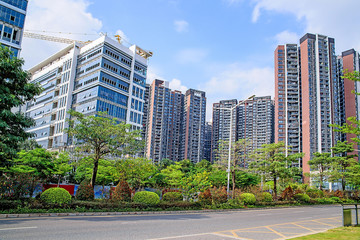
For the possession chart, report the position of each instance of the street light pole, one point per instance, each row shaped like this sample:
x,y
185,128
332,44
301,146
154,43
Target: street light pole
x,y
230,140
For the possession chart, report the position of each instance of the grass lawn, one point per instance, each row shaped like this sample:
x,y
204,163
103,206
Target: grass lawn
x,y
343,233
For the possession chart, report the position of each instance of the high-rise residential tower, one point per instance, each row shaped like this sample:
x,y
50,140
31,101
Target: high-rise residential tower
x,y
207,146
12,19
221,124
164,124
102,76
255,121
288,97
350,102
194,125
318,72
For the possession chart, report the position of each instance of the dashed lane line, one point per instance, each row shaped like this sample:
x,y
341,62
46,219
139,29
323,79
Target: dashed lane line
x,y
18,228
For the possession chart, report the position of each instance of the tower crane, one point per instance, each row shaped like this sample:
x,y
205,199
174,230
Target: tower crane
x,y
52,38
30,34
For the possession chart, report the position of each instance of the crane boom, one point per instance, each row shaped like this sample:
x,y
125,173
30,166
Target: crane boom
x,y
52,38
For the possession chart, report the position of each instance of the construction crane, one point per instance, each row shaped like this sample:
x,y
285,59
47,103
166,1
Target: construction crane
x,y
52,38
144,53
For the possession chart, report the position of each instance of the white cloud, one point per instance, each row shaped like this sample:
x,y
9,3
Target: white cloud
x,y
181,26
191,55
50,16
238,81
287,37
336,19
153,73
176,84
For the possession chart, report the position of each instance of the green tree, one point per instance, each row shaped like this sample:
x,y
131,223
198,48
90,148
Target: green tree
x,y
15,90
193,184
107,172
138,172
239,156
187,167
37,165
354,175
320,167
272,162
100,136
29,144
164,163
218,177
203,165
62,166
173,174
342,162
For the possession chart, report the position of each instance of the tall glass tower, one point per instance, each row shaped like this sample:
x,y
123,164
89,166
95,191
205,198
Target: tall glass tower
x,y
12,19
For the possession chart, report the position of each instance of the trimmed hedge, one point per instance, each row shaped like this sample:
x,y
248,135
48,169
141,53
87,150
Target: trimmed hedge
x,y
248,198
122,192
145,197
56,195
173,196
302,197
85,191
266,197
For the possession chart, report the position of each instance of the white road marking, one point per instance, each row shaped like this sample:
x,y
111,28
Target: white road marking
x,y
181,236
19,228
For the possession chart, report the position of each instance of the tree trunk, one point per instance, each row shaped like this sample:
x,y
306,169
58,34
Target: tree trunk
x,y
343,183
321,177
58,185
275,189
95,169
233,184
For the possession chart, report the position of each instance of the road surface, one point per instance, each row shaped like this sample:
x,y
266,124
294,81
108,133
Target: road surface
x,y
258,224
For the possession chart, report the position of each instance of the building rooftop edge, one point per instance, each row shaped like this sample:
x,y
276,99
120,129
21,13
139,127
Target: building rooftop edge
x,y
348,52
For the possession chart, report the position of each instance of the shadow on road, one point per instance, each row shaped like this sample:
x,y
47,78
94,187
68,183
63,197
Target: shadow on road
x,y
108,218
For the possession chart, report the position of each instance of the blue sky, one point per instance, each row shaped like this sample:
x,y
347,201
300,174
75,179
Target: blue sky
x,y
223,47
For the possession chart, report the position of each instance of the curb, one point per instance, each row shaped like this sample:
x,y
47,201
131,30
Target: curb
x,y
74,214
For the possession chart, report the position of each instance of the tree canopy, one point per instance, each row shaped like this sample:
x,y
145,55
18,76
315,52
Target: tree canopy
x,y
15,90
100,135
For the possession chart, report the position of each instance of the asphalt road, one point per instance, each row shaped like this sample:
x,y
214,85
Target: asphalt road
x,y
259,224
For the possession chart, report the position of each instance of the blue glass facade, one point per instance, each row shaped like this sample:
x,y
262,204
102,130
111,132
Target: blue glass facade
x,y
12,19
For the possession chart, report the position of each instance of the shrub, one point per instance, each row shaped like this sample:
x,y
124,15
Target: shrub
x,y
10,204
122,192
144,197
219,195
315,193
85,192
205,197
302,197
338,194
324,200
173,196
56,196
265,197
248,198
287,194
165,190
335,199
